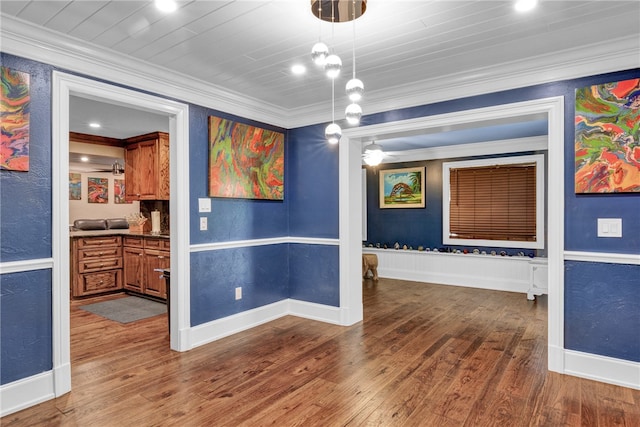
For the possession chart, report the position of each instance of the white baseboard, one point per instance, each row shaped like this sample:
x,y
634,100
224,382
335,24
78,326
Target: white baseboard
x,y
313,311
601,368
26,392
220,328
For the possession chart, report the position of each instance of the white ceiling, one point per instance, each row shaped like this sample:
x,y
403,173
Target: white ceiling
x,y
245,48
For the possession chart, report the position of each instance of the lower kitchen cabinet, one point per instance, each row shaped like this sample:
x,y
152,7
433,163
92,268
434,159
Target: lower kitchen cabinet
x,y
154,280
96,265
133,268
142,256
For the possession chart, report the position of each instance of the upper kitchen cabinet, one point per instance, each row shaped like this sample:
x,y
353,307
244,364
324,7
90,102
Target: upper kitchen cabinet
x,y
147,167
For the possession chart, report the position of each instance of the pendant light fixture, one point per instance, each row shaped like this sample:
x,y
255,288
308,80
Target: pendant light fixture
x,y
333,132
340,11
354,87
319,51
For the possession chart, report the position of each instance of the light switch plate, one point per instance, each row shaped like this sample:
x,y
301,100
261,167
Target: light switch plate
x,y
609,227
204,205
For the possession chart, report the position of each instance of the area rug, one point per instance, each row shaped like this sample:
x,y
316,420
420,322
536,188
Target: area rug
x,y
126,310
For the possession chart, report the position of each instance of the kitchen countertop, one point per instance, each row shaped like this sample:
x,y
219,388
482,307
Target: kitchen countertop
x,y
115,232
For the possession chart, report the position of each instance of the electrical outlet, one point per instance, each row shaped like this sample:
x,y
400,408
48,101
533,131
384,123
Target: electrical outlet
x,y
203,223
238,293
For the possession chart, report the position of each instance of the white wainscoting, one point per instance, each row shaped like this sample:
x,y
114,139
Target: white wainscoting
x,y
502,273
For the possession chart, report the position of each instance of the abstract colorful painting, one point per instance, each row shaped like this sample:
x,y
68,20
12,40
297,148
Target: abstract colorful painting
x,y
98,190
402,188
14,115
245,161
75,186
118,192
607,141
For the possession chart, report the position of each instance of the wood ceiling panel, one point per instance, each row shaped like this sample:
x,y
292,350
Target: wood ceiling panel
x,y
12,8
74,14
107,17
40,12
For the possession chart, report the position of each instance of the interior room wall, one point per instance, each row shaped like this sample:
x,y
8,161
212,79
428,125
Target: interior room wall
x,y
82,209
419,226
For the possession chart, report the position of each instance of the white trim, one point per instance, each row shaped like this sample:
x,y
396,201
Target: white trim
x,y
602,368
517,145
27,40
215,246
64,86
226,326
27,392
538,159
604,257
350,189
25,265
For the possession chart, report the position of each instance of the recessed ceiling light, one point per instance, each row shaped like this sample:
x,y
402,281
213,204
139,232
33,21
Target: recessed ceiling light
x,y
94,125
84,158
525,5
166,6
298,69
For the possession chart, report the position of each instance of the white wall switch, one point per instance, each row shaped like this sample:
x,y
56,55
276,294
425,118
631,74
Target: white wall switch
x,y
203,223
238,293
609,227
204,205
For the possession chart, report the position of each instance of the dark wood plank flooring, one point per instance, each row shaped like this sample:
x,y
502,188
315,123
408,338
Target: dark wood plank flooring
x,y
425,355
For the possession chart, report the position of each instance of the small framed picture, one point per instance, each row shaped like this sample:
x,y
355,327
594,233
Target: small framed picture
x,y
402,188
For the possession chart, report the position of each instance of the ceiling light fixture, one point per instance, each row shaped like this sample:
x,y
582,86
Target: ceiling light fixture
x,y
341,11
166,6
94,125
525,5
373,154
298,69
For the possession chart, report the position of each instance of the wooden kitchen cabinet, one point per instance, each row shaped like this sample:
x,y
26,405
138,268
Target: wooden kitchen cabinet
x,y
154,281
147,167
142,255
96,265
133,269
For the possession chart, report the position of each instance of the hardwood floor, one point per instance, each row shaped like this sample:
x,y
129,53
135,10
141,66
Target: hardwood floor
x,y
425,355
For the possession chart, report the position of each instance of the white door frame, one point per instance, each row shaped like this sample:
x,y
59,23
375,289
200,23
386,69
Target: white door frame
x,y
351,210
64,86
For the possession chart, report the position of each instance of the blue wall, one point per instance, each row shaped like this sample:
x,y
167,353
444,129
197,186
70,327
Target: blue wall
x,y
25,233
310,209
602,309
581,214
416,226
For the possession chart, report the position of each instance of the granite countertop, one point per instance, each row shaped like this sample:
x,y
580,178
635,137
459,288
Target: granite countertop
x,y
115,232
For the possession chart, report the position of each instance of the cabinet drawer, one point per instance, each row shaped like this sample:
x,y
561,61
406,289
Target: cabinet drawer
x,y
159,244
99,264
135,242
88,242
99,253
100,282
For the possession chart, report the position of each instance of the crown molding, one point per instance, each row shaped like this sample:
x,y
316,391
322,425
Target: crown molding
x,y
30,41
27,40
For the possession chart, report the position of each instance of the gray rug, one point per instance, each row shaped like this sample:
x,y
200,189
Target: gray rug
x,y
126,310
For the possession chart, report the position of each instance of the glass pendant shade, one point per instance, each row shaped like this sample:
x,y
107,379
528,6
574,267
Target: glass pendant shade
x,y
373,154
355,89
353,113
332,66
333,133
319,53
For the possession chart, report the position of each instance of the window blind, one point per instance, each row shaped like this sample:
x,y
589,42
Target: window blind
x,y
493,202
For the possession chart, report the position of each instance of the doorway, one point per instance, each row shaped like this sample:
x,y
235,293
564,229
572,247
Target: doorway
x,y
65,86
351,205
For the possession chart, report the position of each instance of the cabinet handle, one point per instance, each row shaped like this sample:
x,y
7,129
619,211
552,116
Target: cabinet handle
x,y
160,257
101,282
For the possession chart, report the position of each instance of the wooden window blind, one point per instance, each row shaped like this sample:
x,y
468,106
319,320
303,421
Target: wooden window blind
x,y
493,202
